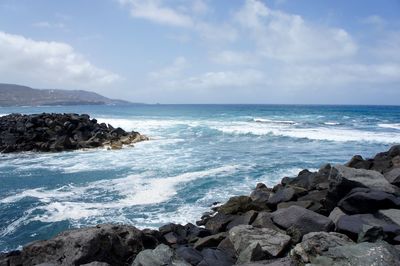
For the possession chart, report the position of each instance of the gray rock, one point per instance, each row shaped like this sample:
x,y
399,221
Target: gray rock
x,y
253,243
359,163
246,218
241,204
189,255
354,225
370,233
112,244
286,261
305,220
302,203
215,257
393,176
282,195
377,254
210,241
393,215
314,244
361,200
349,178
261,193
95,263
161,255
264,220
218,222
335,215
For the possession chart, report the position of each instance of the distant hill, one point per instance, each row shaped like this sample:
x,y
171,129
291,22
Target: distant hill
x,y
17,95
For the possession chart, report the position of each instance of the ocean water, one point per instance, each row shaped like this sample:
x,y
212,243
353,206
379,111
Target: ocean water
x,y
197,155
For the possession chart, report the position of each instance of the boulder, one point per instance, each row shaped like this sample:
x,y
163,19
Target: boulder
x,y
304,220
210,241
112,244
246,218
314,244
302,203
393,176
361,200
343,179
189,255
354,226
215,257
282,195
393,215
252,244
335,215
264,220
218,222
379,253
358,162
160,256
261,193
286,261
241,204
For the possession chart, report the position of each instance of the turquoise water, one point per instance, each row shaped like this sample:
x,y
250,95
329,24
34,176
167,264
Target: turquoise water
x,y
198,154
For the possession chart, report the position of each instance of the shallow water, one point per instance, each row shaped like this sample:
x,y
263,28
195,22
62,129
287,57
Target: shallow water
x,y
198,154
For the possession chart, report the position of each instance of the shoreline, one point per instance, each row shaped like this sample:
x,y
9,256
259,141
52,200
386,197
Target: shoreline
x,y
315,218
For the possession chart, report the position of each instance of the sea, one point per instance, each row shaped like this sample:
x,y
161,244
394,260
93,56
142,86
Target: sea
x,y
197,155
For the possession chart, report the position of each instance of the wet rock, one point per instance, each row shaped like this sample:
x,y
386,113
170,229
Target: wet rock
x,y
252,244
379,253
361,200
305,220
112,244
314,244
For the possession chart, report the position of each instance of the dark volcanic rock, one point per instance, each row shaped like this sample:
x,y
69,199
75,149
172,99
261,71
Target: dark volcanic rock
x,y
241,204
113,244
304,220
362,200
59,132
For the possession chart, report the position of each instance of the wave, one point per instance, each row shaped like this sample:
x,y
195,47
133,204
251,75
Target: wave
x,y
269,121
323,134
82,202
392,126
331,123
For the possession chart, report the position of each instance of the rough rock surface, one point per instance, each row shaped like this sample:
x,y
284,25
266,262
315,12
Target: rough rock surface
x,y
115,245
252,244
313,244
60,132
304,220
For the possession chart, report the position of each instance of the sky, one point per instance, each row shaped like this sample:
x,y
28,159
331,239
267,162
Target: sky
x,y
206,51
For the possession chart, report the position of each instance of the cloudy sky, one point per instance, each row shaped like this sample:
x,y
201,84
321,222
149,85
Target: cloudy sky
x,y
206,51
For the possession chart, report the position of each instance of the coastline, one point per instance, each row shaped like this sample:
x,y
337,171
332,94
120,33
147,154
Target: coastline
x,y
315,218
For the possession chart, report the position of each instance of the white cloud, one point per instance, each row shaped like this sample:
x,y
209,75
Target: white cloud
x,y
172,71
374,20
46,24
287,37
232,58
154,11
51,63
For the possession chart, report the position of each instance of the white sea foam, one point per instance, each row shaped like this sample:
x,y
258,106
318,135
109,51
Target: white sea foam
x,y
392,126
329,134
69,202
269,121
331,123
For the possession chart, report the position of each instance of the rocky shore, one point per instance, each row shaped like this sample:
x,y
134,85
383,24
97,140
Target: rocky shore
x,y
341,215
60,132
